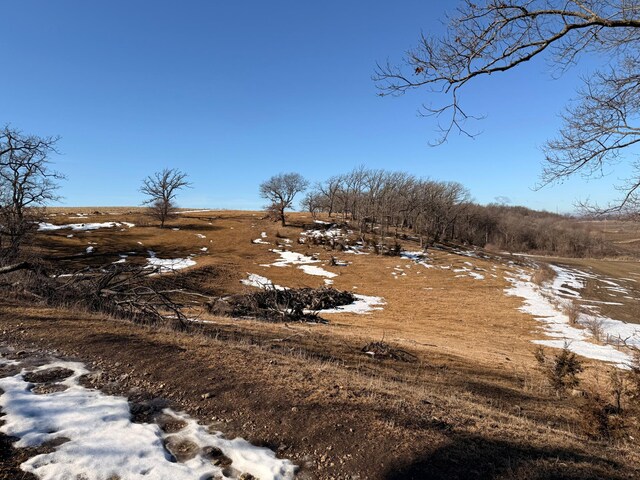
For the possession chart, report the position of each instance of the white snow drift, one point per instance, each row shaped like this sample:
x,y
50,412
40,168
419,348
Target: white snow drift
x,y
292,258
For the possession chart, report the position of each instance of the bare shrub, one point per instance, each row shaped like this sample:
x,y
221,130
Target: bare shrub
x,y
618,387
599,419
595,326
573,310
393,251
562,370
633,377
125,291
543,274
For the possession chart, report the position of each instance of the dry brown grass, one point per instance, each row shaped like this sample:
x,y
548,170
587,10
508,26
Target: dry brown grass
x,y
473,387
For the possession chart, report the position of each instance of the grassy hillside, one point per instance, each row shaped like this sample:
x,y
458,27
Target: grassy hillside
x,y
464,397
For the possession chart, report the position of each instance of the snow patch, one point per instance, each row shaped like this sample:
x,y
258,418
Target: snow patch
x,y
104,443
49,227
292,258
556,323
166,265
363,305
259,281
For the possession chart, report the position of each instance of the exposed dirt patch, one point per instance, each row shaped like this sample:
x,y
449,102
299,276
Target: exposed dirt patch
x,y
50,375
181,449
420,419
170,424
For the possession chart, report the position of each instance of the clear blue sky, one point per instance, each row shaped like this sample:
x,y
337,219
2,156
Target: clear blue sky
x,y
234,92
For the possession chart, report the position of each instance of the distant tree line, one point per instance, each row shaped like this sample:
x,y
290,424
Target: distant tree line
x,y
395,203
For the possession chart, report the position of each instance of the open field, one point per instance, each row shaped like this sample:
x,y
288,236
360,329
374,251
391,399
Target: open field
x,y
468,402
623,234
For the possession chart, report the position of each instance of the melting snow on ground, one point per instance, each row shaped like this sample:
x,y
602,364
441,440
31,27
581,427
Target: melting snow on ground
x,y
293,258
262,238
329,233
363,305
468,272
418,257
196,211
48,227
259,281
569,282
168,264
538,301
103,442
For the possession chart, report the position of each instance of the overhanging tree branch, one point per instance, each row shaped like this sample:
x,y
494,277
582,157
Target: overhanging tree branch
x,y
495,36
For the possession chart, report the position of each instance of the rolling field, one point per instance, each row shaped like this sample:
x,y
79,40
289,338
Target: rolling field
x,y
465,399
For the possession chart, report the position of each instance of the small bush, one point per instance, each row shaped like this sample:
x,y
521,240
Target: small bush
x,y
600,420
562,370
394,251
633,378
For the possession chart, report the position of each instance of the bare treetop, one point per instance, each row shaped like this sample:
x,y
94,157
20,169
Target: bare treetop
x,y
493,36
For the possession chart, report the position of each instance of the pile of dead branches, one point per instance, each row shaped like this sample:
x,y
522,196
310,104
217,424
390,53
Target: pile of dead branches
x,y
282,305
382,351
129,291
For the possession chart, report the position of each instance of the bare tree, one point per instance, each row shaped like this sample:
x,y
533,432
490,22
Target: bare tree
x,y
162,188
312,202
329,189
280,190
486,37
26,183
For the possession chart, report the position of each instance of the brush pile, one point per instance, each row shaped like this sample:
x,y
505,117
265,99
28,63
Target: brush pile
x,y
282,305
384,351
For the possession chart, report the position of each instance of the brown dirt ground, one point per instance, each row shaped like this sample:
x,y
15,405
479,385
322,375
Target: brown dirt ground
x,y
472,406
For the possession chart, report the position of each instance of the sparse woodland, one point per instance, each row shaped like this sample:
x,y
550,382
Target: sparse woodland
x,y
388,203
